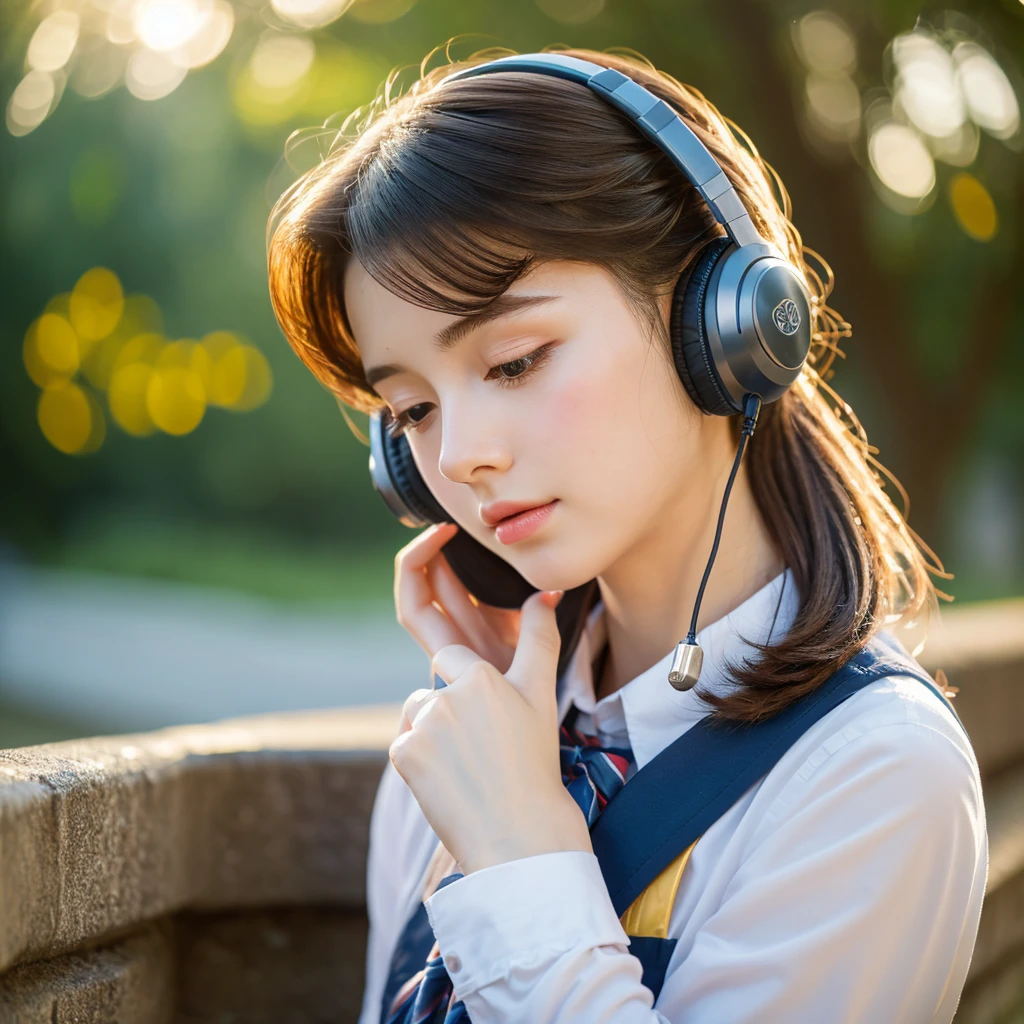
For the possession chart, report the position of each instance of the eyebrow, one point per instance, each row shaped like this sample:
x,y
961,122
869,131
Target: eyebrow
x,y
448,337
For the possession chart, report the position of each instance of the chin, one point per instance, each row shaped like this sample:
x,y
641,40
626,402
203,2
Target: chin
x,y
552,569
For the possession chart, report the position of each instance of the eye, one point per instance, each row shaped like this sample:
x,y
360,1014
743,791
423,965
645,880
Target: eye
x,y
506,375
513,372
398,424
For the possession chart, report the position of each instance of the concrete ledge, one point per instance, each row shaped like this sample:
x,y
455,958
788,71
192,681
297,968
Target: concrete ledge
x,y
130,981
99,835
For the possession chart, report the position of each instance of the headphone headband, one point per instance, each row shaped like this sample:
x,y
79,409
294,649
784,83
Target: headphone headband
x,y
654,117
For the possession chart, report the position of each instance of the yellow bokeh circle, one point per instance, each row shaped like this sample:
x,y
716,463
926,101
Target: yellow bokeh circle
x,y
241,378
142,348
42,373
96,305
973,206
57,344
126,397
176,399
67,418
141,316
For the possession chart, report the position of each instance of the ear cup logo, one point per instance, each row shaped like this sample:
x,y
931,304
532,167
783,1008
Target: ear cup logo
x,y
786,317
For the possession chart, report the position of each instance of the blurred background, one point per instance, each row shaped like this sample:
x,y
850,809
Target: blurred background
x,y
187,527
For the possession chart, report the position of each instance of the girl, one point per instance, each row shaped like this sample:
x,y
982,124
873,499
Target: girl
x,y
528,288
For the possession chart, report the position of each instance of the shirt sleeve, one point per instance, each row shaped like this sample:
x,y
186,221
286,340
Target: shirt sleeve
x,y
848,905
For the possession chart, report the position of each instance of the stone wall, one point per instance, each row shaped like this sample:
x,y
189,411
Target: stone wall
x,y
216,873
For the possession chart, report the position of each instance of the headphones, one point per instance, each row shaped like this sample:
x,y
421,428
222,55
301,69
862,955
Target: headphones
x,y
740,323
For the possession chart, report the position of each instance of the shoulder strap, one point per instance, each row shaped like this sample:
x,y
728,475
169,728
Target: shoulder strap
x,y
655,816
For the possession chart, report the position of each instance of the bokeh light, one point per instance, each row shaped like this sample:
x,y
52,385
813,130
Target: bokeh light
x,y
96,304
175,399
901,160
31,102
944,89
166,25
241,378
67,418
54,41
152,75
825,43
57,344
280,62
127,398
926,88
310,14
140,317
95,339
973,206
834,105
99,67
211,39
989,95
150,46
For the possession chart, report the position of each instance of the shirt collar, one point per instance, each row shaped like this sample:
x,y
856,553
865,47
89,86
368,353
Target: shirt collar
x,y
648,708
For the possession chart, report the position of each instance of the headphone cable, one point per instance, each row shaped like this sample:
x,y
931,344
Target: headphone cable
x,y
686,663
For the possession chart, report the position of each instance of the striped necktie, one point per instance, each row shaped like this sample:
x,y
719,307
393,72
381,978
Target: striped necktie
x,y
593,774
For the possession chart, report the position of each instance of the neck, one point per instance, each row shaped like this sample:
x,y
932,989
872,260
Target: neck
x,y
648,594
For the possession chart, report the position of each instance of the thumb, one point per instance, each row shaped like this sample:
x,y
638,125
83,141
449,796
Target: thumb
x,y
535,663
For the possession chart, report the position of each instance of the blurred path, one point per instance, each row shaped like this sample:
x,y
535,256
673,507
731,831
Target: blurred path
x,y
134,654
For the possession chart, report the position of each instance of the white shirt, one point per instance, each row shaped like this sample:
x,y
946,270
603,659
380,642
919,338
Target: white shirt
x,y
845,886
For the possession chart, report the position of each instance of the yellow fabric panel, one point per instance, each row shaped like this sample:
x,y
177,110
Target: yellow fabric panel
x,y
650,912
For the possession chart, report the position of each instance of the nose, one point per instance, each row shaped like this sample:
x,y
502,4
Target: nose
x,y
472,441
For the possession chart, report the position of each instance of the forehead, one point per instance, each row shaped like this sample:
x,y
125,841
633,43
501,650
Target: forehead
x,y
380,318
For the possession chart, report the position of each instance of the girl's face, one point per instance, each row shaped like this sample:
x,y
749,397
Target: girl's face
x,y
556,394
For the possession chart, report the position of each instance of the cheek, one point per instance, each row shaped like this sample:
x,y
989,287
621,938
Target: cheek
x,y
617,423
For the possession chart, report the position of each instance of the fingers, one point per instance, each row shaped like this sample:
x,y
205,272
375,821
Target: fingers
x,y
448,665
414,704
455,599
414,595
452,661
504,622
535,663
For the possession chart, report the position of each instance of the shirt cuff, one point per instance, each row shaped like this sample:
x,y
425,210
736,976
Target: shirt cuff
x,y
520,914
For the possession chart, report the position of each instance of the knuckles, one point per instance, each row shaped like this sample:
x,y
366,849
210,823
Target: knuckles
x,y
403,752
474,671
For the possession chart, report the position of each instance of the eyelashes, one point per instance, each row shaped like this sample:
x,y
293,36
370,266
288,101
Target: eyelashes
x,y
533,361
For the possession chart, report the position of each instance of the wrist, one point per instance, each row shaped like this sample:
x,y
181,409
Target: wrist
x,y
557,832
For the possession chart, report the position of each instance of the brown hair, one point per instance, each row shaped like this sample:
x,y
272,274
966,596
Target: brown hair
x,y
450,192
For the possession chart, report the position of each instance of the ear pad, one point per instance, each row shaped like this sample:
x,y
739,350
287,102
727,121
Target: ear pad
x,y
406,479
688,332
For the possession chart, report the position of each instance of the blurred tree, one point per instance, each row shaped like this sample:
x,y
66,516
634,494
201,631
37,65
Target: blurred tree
x,y
930,390
172,193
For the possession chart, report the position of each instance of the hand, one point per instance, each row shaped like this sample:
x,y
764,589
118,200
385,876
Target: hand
x,y
435,607
481,754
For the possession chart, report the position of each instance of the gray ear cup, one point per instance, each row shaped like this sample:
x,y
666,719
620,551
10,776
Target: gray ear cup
x,y
740,325
689,335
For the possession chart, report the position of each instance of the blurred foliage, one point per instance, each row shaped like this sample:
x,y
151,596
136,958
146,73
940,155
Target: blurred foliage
x,y
170,195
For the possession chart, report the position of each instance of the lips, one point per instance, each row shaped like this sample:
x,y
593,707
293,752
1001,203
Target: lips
x,y
499,510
